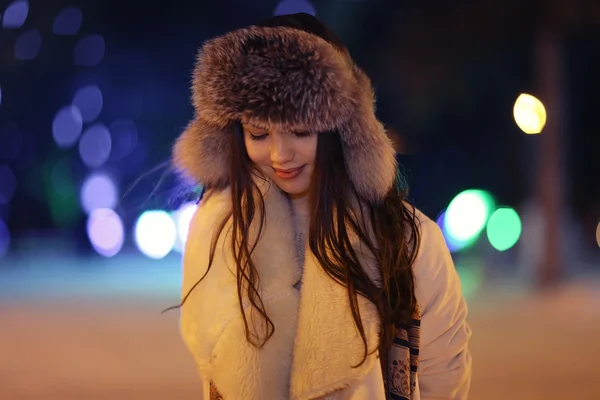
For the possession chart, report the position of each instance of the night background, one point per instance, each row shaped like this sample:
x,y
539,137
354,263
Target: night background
x,y
93,219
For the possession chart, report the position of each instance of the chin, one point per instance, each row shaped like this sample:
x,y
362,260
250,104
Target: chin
x,y
292,188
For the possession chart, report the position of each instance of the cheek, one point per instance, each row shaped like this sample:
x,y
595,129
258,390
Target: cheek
x,y
255,151
309,149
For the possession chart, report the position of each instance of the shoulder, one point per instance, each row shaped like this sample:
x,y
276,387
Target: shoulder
x,y
203,230
434,271
431,237
213,207
204,225
444,358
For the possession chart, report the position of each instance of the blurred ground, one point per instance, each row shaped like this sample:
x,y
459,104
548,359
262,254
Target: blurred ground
x,y
99,335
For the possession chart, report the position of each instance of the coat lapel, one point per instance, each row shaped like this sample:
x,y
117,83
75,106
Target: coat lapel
x,y
212,324
315,343
328,343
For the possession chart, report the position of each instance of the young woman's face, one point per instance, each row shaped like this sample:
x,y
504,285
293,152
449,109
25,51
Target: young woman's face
x,y
287,158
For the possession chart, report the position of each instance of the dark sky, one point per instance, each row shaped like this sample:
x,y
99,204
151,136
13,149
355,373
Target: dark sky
x,y
449,93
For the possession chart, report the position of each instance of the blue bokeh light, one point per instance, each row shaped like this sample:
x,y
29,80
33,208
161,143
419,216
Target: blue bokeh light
x,y
67,22
15,14
89,51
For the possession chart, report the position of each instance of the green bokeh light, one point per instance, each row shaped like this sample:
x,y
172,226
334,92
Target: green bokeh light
x,y
61,193
504,228
472,275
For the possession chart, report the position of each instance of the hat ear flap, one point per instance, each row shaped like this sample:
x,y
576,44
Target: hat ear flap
x,y
202,153
370,161
368,151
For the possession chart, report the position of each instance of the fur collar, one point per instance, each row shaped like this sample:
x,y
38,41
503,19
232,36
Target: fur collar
x,y
315,343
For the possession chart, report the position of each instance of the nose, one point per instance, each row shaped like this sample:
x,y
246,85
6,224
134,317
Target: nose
x,y
282,150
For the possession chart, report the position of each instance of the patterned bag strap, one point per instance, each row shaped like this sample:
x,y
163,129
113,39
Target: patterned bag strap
x,y
400,364
214,393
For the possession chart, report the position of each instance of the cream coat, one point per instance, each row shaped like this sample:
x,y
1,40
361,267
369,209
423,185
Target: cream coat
x,y
315,341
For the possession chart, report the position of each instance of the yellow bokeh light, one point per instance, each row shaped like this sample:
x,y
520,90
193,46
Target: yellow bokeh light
x,y
529,113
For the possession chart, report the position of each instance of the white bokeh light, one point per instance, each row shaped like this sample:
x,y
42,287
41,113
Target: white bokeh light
x,y
98,191
467,215
155,234
183,218
452,243
105,231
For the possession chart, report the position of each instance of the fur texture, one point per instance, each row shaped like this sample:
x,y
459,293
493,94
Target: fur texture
x,y
315,343
284,77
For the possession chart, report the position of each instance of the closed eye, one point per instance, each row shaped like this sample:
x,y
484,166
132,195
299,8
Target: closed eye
x,y
301,134
258,137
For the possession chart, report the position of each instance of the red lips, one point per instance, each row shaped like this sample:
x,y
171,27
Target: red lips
x,y
289,173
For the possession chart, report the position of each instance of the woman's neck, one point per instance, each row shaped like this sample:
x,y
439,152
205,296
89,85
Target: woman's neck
x,y
300,204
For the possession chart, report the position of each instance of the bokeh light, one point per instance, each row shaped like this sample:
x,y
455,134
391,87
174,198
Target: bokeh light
x,y
4,239
27,45
15,14
105,231
67,22
61,179
98,191
8,183
529,113
598,234
294,6
467,215
89,51
67,126
155,233
471,274
124,138
452,243
504,228
89,101
183,218
61,192
95,145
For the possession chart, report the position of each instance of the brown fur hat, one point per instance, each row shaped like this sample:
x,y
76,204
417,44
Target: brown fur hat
x,y
283,77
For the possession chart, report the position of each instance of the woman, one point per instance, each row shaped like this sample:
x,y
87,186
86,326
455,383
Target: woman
x,y
303,262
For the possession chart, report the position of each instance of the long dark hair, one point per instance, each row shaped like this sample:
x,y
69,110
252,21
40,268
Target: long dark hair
x,y
395,242
334,220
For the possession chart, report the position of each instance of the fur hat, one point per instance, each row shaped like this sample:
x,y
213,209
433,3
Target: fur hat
x,y
288,78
